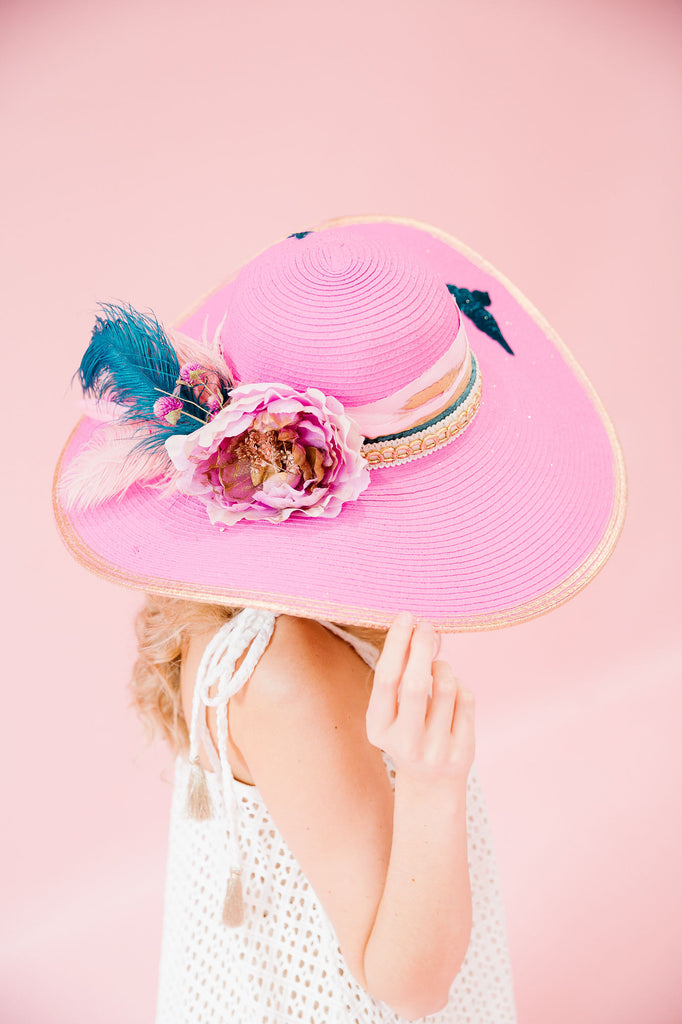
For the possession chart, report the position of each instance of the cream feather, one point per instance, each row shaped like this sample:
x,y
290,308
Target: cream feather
x,y
113,460
110,463
206,353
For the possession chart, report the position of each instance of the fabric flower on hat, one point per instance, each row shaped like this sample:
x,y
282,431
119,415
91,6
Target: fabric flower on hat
x,y
270,453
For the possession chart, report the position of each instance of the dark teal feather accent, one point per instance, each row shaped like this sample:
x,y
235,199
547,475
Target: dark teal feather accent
x,y
473,304
131,361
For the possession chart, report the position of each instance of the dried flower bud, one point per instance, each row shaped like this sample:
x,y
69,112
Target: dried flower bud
x,y
193,373
168,409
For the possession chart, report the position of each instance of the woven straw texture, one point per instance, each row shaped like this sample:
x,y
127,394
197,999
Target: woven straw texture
x,y
500,525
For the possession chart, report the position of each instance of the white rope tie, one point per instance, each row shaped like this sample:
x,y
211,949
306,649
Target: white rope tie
x,y
365,648
252,628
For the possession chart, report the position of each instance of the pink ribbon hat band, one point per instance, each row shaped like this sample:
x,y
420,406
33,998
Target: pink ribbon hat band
x,y
383,423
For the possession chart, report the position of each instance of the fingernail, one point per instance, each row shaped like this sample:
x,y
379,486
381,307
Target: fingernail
x,y
404,619
424,626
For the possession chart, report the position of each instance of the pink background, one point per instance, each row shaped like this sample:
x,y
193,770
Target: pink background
x,y
148,149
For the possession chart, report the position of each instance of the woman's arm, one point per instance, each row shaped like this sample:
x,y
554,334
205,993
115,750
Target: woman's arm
x,y
423,923
391,875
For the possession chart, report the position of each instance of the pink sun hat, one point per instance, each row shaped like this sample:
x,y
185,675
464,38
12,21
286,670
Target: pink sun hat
x,y
368,418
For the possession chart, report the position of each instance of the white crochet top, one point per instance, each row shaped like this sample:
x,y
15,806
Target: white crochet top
x,y
283,965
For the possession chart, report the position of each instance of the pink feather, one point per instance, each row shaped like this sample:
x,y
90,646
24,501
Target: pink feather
x,y
109,465
205,353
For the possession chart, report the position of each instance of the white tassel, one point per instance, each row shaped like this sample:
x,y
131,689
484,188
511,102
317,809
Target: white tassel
x,y
198,798
233,907
249,633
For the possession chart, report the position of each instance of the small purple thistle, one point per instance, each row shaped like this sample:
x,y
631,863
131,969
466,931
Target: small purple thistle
x,y
193,373
168,409
214,403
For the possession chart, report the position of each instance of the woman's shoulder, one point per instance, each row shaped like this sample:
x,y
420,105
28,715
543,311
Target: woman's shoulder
x,y
306,676
309,639
303,662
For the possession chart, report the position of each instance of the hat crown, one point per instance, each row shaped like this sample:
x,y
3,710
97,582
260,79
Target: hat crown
x,y
337,311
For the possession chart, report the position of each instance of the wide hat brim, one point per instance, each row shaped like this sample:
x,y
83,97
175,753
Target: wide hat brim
x,y
499,526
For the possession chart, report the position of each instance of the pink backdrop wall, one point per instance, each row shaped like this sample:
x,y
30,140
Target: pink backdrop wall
x,y
150,148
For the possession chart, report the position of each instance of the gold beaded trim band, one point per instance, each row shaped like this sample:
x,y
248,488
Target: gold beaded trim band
x,y
412,444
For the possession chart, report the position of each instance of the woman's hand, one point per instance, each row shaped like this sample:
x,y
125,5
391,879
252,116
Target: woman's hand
x,y
419,713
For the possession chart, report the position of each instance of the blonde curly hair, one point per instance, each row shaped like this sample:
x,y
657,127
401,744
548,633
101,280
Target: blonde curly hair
x,y
164,627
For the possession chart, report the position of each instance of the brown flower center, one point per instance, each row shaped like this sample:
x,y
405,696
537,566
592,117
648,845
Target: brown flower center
x,y
265,449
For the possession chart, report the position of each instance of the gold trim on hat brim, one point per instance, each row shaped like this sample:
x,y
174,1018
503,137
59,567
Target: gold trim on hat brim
x,y
350,614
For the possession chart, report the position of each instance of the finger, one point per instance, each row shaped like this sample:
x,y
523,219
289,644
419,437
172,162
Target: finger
x,y
416,681
388,671
463,729
439,717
